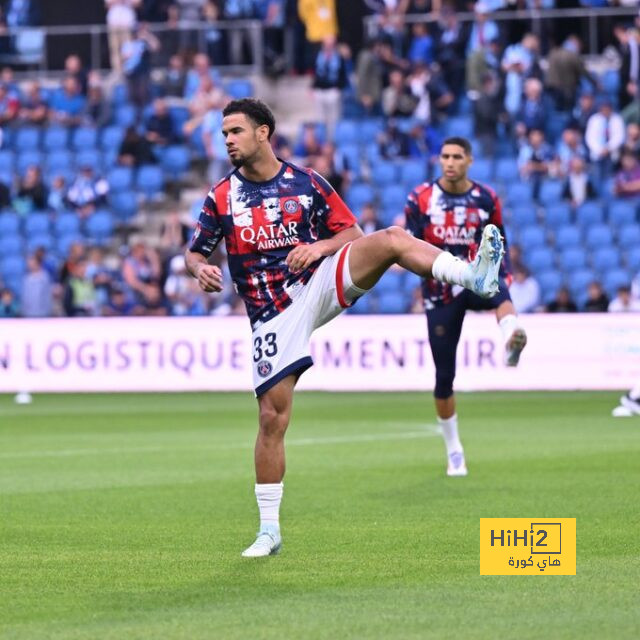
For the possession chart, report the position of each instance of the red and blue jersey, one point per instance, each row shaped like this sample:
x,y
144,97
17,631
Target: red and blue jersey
x,y
452,222
261,222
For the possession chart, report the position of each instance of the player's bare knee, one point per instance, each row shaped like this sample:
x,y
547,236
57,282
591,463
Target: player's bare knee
x,y
394,238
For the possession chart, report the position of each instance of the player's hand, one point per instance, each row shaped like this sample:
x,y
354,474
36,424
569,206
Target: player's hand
x,y
209,278
303,256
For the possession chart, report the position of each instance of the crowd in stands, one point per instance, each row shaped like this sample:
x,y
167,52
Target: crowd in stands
x,y
559,142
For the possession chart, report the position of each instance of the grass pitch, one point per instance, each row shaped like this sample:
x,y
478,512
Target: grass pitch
x,y
123,517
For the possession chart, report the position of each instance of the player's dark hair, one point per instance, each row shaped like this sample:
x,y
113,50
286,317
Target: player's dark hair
x,y
461,142
256,110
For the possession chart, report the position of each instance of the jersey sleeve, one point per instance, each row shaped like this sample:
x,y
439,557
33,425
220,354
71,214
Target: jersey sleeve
x,y
208,232
333,214
413,217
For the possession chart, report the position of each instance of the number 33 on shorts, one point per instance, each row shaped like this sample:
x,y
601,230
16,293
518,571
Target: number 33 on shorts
x,y
266,347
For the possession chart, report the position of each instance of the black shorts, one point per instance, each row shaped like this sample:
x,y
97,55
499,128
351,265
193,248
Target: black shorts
x,y
445,325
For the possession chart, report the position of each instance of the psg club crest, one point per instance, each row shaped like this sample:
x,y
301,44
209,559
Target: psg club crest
x,y
290,206
264,368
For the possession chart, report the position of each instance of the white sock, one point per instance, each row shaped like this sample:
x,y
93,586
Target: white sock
x,y
634,394
447,268
269,497
508,325
449,428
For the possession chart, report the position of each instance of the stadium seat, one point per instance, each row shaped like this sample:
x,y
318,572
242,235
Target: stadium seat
x,y
58,161
66,223
89,158
125,116
606,258
99,227
368,130
111,138
179,115
55,138
413,173
36,223
7,161
9,223
531,237
614,279
11,245
550,281
119,95
589,213
120,178
12,266
149,180
540,259
628,236
568,236
392,280
551,192
481,170
239,88
622,212
358,194
632,259
28,159
557,215
174,160
518,193
610,81
124,205
522,216
458,126
598,236
26,139
393,302
384,173
393,197
40,241
84,138
352,155
572,259
347,132
507,172
579,280
63,244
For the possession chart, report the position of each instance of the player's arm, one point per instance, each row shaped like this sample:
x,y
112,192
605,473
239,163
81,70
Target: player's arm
x,y
304,255
209,276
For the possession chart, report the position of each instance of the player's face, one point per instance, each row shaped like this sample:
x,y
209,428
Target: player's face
x,y
243,138
454,162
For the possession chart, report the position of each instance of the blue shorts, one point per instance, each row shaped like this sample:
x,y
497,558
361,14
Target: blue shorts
x,y
445,325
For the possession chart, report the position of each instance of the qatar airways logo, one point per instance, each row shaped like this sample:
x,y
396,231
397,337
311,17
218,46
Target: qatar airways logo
x,y
454,235
271,236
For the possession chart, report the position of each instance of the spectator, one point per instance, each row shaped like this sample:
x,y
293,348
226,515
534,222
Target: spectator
x,y
565,71
99,275
141,272
480,64
309,144
627,182
79,298
320,22
200,69
135,150
629,50
8,304
207,98
330,79
488,112
281,146
98,111
216,45
570,146
451,49
368,219
56,200
67,103
562,303
585,108
515,257
239,37
159,130
520,61
31,190
433,95
9,106
525,291
183,294
87,192
5,193
323,164
36,297
23,13
215,146
118,304
632,140
34,108
121,20
624,302
393,143
73,67
397,99
176,77
75,254
578,186
597,300
483,30
604,137
533,111
136,64
534,161
422,46
174,234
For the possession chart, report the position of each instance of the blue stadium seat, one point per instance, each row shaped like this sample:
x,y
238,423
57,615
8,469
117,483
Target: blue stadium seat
x,y
579,280
28,159
66,223
458,126
149,180
9,223
239,88
89,158
120,95
393,196
125,116
572,259
179,115
174,160
120,178
64,242
551,192
11,245
111,138
392,280
598,236
99,227
481,170
589,213
550,280
368,130
351,153
26,139
389,214
531,237
518,193
358,194
59,160
540,259
393,302
40,241
628,236
12,266
568,236
610,81
411,281
557,215
606,258
622,212
615,278
507,171
36,223
632,259
55,138
384,173
125,205
7,161
84,138
413,173
522,216
347,132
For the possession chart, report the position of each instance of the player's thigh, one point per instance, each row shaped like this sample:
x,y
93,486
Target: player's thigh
x,y
372,255
445,326
274,405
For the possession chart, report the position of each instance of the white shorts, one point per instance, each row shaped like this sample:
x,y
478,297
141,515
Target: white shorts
x,y
281,345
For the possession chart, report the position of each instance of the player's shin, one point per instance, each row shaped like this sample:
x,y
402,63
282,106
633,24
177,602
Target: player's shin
x,y
269,497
